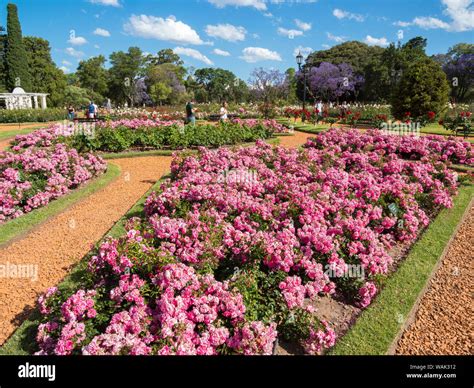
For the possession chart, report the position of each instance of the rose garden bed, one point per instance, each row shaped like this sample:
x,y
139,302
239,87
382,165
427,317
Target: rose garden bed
x,y
240,246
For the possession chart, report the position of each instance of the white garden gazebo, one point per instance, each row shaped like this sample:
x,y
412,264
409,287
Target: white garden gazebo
x,y
19,99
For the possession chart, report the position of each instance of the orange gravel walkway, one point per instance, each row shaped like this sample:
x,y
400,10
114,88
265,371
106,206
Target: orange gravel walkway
x,y
444,322
297,140
62,241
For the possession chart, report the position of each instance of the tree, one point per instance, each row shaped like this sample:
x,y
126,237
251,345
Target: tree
x,y
126,68
164,84
460,72
16,60
292,81
458,64
3,38
331,82
76,96
92,75
166,56
220,85
365,60
44,74
423,87
268,85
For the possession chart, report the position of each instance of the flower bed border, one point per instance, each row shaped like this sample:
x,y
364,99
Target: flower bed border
x,y
27,222
379,326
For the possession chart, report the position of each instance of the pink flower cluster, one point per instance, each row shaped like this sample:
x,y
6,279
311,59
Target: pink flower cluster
x,y
269,124
35,176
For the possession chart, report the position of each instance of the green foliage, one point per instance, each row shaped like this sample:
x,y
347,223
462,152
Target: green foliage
x,y
174,137
45,76
219,85
126,67
76,96
16,57
92,76
3,41
32,115
423,87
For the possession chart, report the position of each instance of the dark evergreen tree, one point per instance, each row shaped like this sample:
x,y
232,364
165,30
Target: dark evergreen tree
x,y
16,59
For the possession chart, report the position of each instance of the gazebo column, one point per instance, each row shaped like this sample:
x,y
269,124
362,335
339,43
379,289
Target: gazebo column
x,y
43,102
35,99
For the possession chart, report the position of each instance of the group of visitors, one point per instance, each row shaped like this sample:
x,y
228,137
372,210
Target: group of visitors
x,y
191,117
92,111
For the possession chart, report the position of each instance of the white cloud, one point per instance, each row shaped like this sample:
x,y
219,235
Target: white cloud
x,y
305,51
289,33
113,3
335,38
371,41
74,53
189,52
462,14
65,69
77,40
326,46
303,25
429,23
102,32
66,63
257,4
96,46
227,32
340,14
402,24
168,29
222,53
256,54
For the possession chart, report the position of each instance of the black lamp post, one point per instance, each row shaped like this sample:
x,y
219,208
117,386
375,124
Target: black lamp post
x,y
299,61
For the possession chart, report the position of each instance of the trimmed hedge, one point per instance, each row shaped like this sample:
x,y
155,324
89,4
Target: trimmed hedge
x,y
32,115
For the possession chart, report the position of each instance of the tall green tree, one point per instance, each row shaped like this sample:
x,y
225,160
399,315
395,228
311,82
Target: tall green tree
x,y
423,87
44,74
3,41
221,85
126,68
92,76
16,59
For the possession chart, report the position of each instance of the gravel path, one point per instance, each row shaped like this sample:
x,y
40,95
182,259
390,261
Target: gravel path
x,y
62,241
444,322
298,139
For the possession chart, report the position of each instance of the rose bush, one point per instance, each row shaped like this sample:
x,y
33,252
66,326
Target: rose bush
x,y
31,177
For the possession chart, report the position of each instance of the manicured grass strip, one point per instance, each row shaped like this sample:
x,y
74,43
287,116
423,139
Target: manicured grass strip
x,y
136,154
378,326
23,341
25,223
11,134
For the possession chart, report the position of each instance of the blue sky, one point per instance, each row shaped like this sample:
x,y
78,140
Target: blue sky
x,y
238,35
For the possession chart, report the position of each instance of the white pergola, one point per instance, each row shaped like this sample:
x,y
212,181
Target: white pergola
x,y
19,99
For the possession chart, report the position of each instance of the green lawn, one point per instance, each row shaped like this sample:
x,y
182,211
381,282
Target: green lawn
x,y
379,325
27,222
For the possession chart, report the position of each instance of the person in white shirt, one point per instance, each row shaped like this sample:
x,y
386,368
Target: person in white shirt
x,y
223,111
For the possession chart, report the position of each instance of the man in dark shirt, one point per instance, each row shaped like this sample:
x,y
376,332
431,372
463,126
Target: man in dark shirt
x,y
190,118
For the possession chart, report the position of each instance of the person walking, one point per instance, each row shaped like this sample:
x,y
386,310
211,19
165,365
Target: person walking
x,y
223,112
190,117
71,114
90,110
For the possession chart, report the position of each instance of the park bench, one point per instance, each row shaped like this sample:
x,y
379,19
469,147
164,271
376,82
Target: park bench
x,y
218,117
